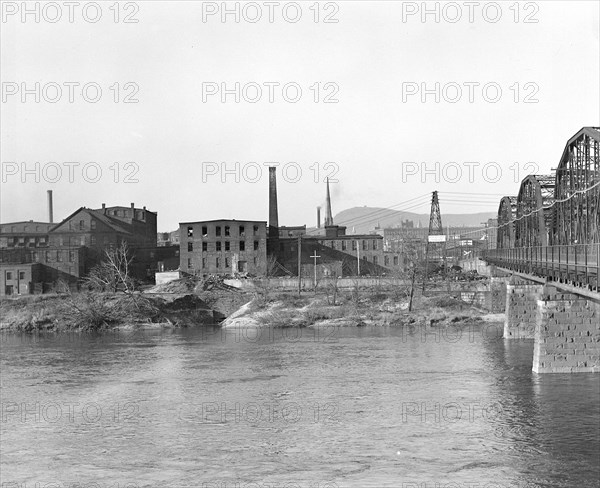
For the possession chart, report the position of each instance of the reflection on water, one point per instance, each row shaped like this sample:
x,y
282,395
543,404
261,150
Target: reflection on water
x,y
332,408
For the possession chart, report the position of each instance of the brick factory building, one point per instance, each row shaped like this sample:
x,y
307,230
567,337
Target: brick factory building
x,y
43,253
223,247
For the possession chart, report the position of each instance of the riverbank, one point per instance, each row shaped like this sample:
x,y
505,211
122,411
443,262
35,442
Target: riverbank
x,y
371,309
192,303
103,311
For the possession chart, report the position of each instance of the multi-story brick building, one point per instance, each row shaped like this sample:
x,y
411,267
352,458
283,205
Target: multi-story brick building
x,y
223,247
67,251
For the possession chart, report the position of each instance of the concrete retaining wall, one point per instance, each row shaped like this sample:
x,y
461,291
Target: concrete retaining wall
x,y
307,283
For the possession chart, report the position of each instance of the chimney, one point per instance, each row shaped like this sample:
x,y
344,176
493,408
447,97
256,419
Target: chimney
x,y
104,208
50,209
273,215
318,217
328,214
132,210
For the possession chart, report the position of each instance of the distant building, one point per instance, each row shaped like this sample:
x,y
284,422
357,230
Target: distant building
x,y
166,239
295,231
223,247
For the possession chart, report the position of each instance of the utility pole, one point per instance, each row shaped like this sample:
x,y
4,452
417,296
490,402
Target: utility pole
x,y
314,256
299,265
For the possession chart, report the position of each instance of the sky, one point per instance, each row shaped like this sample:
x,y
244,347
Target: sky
x,y
180,106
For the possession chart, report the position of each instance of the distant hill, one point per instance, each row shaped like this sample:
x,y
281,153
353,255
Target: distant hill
x,y
364,219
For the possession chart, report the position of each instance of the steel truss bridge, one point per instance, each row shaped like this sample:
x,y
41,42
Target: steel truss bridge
x,y
551,229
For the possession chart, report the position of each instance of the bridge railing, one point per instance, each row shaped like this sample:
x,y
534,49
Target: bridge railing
x,y
578,263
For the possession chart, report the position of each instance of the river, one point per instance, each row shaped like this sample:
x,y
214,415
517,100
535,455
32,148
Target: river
x,y
296,408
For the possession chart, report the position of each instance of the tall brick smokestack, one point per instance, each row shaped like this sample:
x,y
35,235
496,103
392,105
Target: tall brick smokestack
x,y
50,209
273,215
318,217
328,214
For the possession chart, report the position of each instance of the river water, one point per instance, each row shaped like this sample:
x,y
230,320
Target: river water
x,y
350,407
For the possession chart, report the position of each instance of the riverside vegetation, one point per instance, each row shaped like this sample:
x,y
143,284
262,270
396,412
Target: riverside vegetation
x,y
110,300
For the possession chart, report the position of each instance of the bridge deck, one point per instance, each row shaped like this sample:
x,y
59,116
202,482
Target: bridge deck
x,y
576,264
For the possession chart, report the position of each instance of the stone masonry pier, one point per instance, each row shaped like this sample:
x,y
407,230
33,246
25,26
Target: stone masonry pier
x,y
564,325
567,334
521,307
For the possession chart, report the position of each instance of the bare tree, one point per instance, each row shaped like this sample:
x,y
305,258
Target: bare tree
x,y
331,289
113,274
263,284
410,271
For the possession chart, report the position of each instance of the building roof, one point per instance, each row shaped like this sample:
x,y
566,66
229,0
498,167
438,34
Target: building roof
x,y
98,214
223,220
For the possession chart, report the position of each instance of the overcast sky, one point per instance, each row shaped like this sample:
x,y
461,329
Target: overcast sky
x,y
371,61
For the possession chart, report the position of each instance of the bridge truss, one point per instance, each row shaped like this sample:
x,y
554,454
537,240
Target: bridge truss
x,y
552,228
577,211
507,213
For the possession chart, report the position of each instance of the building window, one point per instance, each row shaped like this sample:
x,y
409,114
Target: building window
x,y
93,225
82,240
256,245
205,246
218,231
218,262
203,263
365,245
47,257
218,246
227,231
242,231
386,260
21,275
255,230
190,231
344,245
354,245
204,231
395,260
227,245
93,241
36,257
242,246
227,264
374,245
190,246
255,261
332,244
190,263
71,256
81,225
9,275
375,260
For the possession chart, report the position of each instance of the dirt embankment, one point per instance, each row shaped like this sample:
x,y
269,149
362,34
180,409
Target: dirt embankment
x,y
379,309
185,303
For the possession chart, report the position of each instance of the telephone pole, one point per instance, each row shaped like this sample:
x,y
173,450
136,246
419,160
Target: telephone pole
x,y
314,256
299,265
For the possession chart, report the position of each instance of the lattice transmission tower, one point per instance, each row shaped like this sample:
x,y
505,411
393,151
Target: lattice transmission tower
x,y
435,250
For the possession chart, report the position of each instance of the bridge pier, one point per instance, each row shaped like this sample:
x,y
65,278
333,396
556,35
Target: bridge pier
x,y
521,308
567,333
498,294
